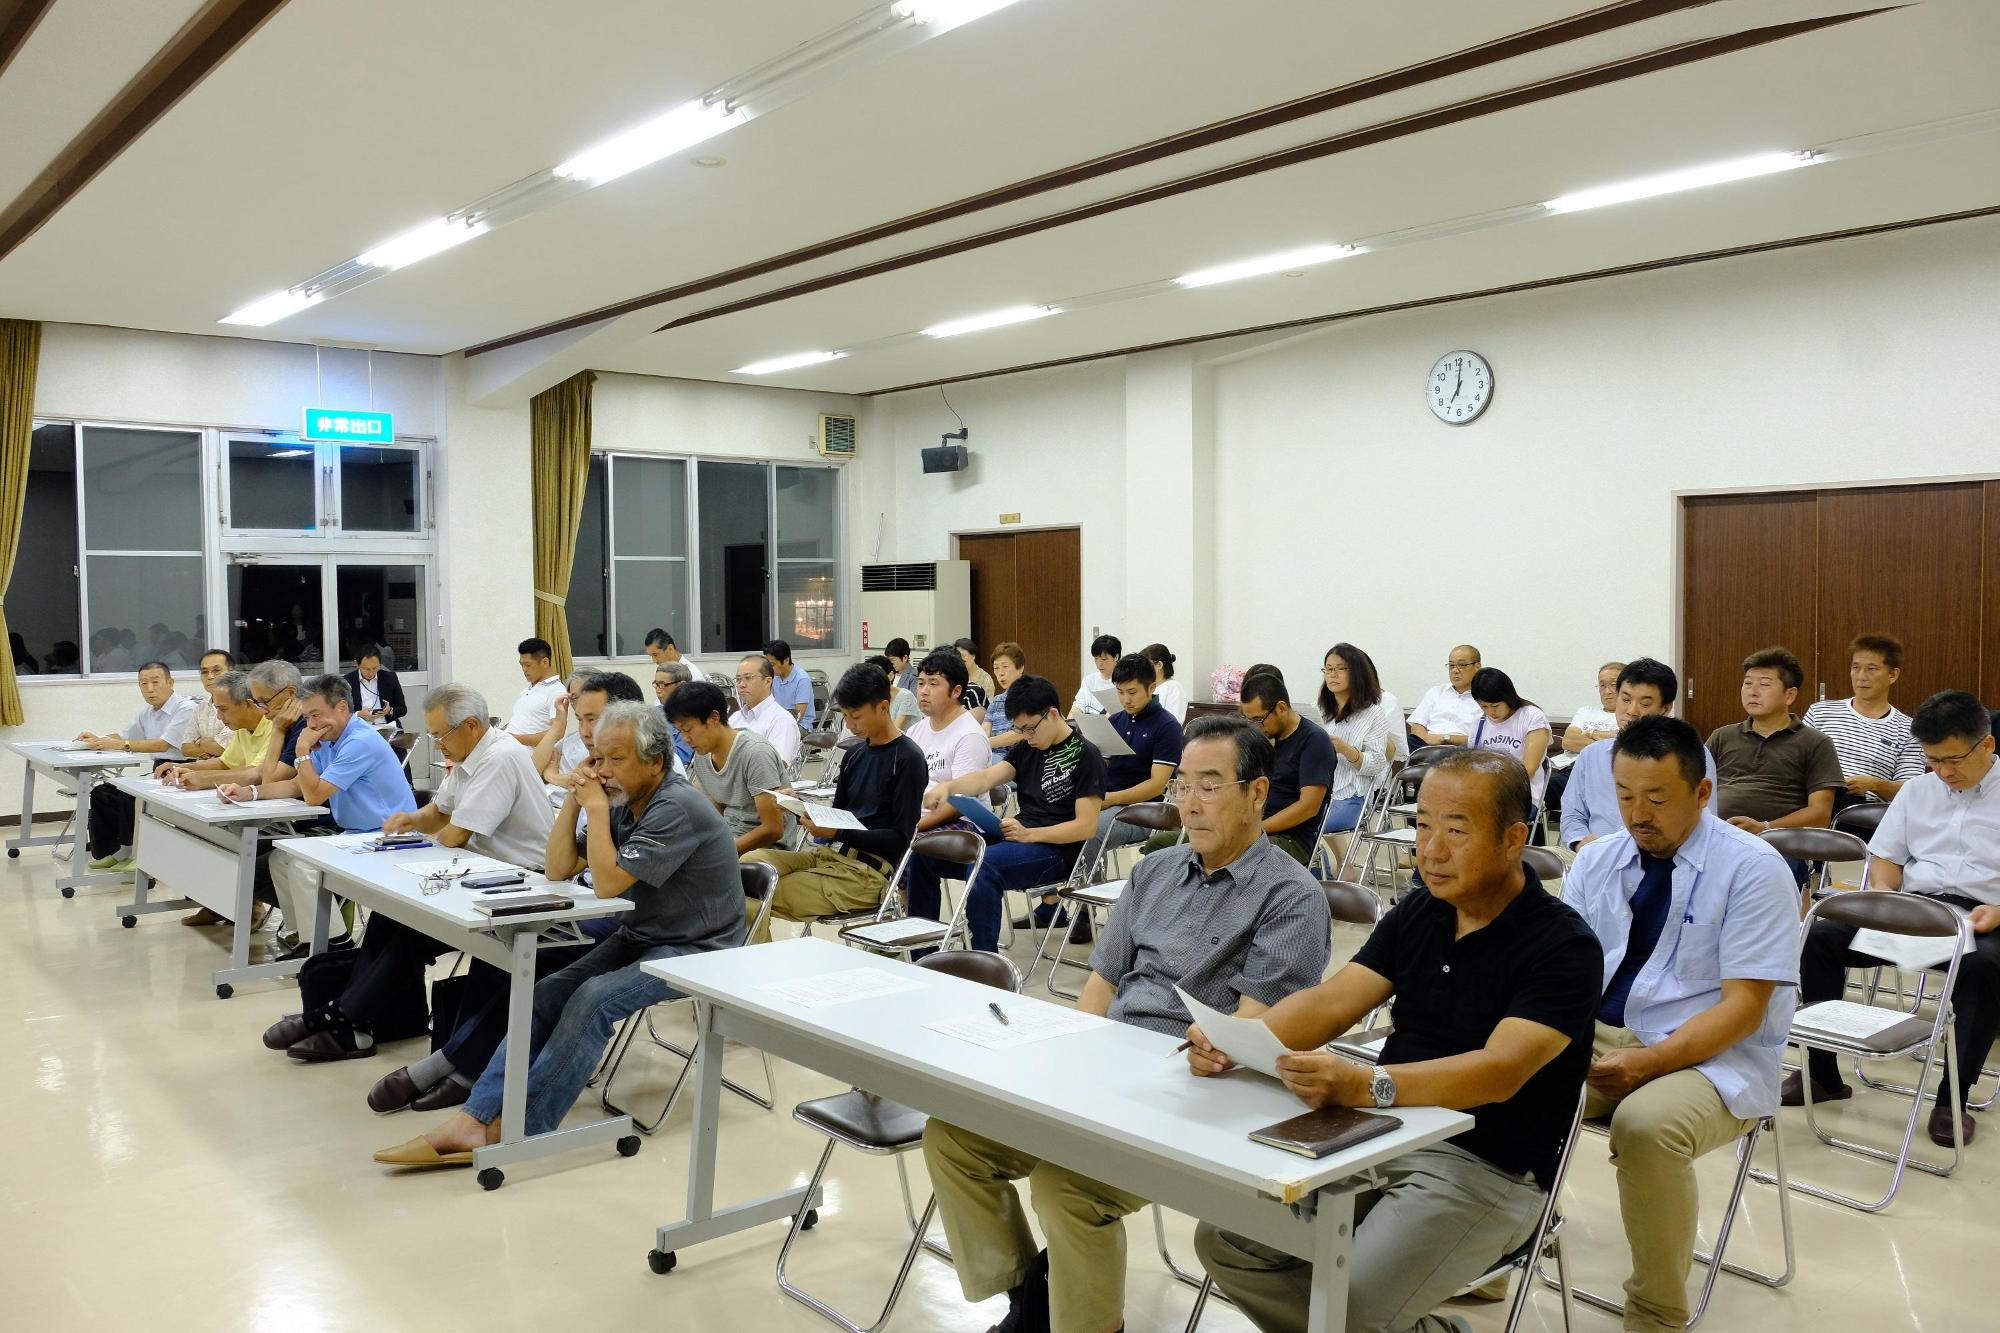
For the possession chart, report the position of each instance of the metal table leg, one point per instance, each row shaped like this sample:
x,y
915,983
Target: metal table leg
x,y
240,967
1333,1242
80,875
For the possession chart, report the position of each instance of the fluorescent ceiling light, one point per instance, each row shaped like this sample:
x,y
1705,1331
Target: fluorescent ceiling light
x,y
433,237
290,453
270,309
793,362
664,135
948,13
1672,182
1251,268
992,319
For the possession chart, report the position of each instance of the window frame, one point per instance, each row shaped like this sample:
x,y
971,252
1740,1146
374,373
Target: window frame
x,y
331,524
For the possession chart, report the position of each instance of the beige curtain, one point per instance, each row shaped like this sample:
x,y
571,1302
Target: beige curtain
x,y
20,353
559,433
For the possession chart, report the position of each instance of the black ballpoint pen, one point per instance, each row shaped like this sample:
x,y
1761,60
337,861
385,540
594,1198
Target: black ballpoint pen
x,y
999,1015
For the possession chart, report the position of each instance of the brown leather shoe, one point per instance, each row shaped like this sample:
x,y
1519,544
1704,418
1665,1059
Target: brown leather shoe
x,y
287,1032
393,1091
1941,1125
448,1093
202,917
324,1046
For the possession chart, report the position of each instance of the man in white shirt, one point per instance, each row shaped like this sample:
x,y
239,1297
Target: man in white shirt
x,y
1940,838
1699,925
535,710
1870,734
490,804
158,731
559,750
208,735
953,742
1105,650
761,713
660,646
1593,722
1448,714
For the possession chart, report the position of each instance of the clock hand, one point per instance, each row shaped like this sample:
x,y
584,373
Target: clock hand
x,y
1457,385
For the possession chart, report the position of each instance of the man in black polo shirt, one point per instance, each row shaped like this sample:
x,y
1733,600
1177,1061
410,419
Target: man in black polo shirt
x,y
1304,771
1496,987
1155,737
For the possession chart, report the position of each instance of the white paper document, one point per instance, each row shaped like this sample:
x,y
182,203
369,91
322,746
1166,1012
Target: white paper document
x,y
1912,953
1108,698
843,987
1027,1022
826,816
1844,1018
1097,729
1248,1041
900,931
461,865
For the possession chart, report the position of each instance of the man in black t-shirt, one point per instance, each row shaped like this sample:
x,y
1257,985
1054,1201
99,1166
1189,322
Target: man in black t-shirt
x,y
1302,773
1496,987
1060,778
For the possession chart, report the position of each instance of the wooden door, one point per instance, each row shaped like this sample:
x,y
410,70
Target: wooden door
x,y
1906,561
1989,600
1749,581
1028,587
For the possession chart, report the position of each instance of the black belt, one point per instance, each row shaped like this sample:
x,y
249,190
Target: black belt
x,y
869,859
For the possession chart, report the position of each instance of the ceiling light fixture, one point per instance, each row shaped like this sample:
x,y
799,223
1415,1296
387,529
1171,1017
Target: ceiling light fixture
x,y
1254,268
290,453
664,135
992,319
1673,182
421,242
792,362
947,14
270,309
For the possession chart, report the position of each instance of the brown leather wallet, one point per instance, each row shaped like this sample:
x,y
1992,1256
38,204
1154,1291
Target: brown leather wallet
x,y
1325,1131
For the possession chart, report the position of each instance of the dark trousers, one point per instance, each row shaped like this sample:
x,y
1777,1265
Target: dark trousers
x,y
1008,865
1975,999
480,1024
1552,794
112,816
389,966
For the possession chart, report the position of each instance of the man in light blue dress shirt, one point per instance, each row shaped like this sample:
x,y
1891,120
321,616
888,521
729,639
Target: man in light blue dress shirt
x,y
1699,924
790,685
1646,687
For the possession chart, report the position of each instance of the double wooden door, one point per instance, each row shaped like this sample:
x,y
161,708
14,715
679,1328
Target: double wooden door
x,y
1028,587
1809,570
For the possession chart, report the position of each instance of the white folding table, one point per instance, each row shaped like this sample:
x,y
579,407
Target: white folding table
x,y
205,849
1113,1102
78,769
384,882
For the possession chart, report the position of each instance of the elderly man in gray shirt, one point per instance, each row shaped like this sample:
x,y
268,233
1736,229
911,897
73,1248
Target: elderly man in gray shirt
x,y
1229,918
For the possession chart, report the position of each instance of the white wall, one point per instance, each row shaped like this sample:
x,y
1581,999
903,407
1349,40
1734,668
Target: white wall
x,y
1545,533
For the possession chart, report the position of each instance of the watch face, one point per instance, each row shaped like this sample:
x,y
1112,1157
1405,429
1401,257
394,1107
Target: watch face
x,y
1459,388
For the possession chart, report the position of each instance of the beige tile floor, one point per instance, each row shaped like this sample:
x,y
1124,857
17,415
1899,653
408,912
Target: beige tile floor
x,y
166,1172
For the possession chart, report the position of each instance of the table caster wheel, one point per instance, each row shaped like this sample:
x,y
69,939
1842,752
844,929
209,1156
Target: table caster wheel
x,y
628,1146
128,921
661,1261
224,991
812,1220
490,1178
13,853
69,892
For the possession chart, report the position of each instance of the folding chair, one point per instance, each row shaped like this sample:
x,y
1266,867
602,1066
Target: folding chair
x,y
1861,820
881,1128
1374,802
759,882
1819,848
1401,840
1896,914
901,934
1087,897
1548,865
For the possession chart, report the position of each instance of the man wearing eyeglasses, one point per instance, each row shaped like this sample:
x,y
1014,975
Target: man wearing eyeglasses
x,y
1227,917
1940,837
1302,768
759,710
1448,714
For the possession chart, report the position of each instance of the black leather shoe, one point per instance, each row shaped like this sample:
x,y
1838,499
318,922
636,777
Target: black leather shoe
x,y
304,948
287,1032
324,1046
448,1093
393,1091
1792,1091
1028,1304
1941,1125
1079,931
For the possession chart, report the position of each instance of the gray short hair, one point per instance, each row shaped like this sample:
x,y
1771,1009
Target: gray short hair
x,y
329,687
457,703
763,663
275,675
677,672
644,723
237,683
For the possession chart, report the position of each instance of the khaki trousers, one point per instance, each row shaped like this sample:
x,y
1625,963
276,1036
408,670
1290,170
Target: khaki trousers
x,y
991,1246
813,883
1656,1134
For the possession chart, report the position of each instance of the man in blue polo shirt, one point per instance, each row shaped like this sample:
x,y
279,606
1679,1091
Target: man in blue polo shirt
x,y
790,685
343,764
1155,737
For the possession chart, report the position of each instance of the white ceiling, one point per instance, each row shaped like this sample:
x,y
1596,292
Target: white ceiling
x,y
343,121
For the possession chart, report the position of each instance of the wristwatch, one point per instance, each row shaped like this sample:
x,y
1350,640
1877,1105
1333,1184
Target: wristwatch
x,y
1382,1087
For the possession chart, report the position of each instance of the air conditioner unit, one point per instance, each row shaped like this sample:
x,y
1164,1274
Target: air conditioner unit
x,y
836,436
930,604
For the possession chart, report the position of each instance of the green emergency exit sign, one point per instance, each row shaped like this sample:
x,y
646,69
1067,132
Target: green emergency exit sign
x,y
345,426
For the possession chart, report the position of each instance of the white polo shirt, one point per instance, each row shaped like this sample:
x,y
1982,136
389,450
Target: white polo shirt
x,y
496,796
1447,712
775,723
1946,841
535,710
171,722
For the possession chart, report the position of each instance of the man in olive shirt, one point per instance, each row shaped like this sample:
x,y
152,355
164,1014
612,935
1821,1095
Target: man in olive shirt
x,y
1772,770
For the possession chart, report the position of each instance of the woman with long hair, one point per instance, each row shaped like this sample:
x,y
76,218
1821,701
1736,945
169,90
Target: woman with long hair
x,y
1512,725
1350,704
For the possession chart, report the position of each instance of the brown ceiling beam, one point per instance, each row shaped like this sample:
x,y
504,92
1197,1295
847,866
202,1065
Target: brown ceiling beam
x,y
1530,285
17,23
1604,18
1561,85
202,44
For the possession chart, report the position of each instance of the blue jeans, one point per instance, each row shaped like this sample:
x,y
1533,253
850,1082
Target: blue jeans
x,y
576,1011
1008,865
1343,815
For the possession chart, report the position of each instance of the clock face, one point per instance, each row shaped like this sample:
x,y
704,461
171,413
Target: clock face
x,y
1459,388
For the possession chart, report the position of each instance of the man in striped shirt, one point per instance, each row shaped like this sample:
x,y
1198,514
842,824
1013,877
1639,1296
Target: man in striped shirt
x,y
1870,734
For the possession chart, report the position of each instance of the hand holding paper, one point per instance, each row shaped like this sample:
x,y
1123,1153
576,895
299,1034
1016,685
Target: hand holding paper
x,y
1248,1041
825,816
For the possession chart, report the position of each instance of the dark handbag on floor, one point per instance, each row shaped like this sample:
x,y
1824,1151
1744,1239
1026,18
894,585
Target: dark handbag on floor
x,y
447,993
324,979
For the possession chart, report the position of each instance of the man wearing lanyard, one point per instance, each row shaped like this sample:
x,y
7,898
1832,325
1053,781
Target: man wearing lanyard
x,y
378,694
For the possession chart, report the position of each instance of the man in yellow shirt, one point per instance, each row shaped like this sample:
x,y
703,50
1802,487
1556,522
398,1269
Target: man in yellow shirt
x,y
242,760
